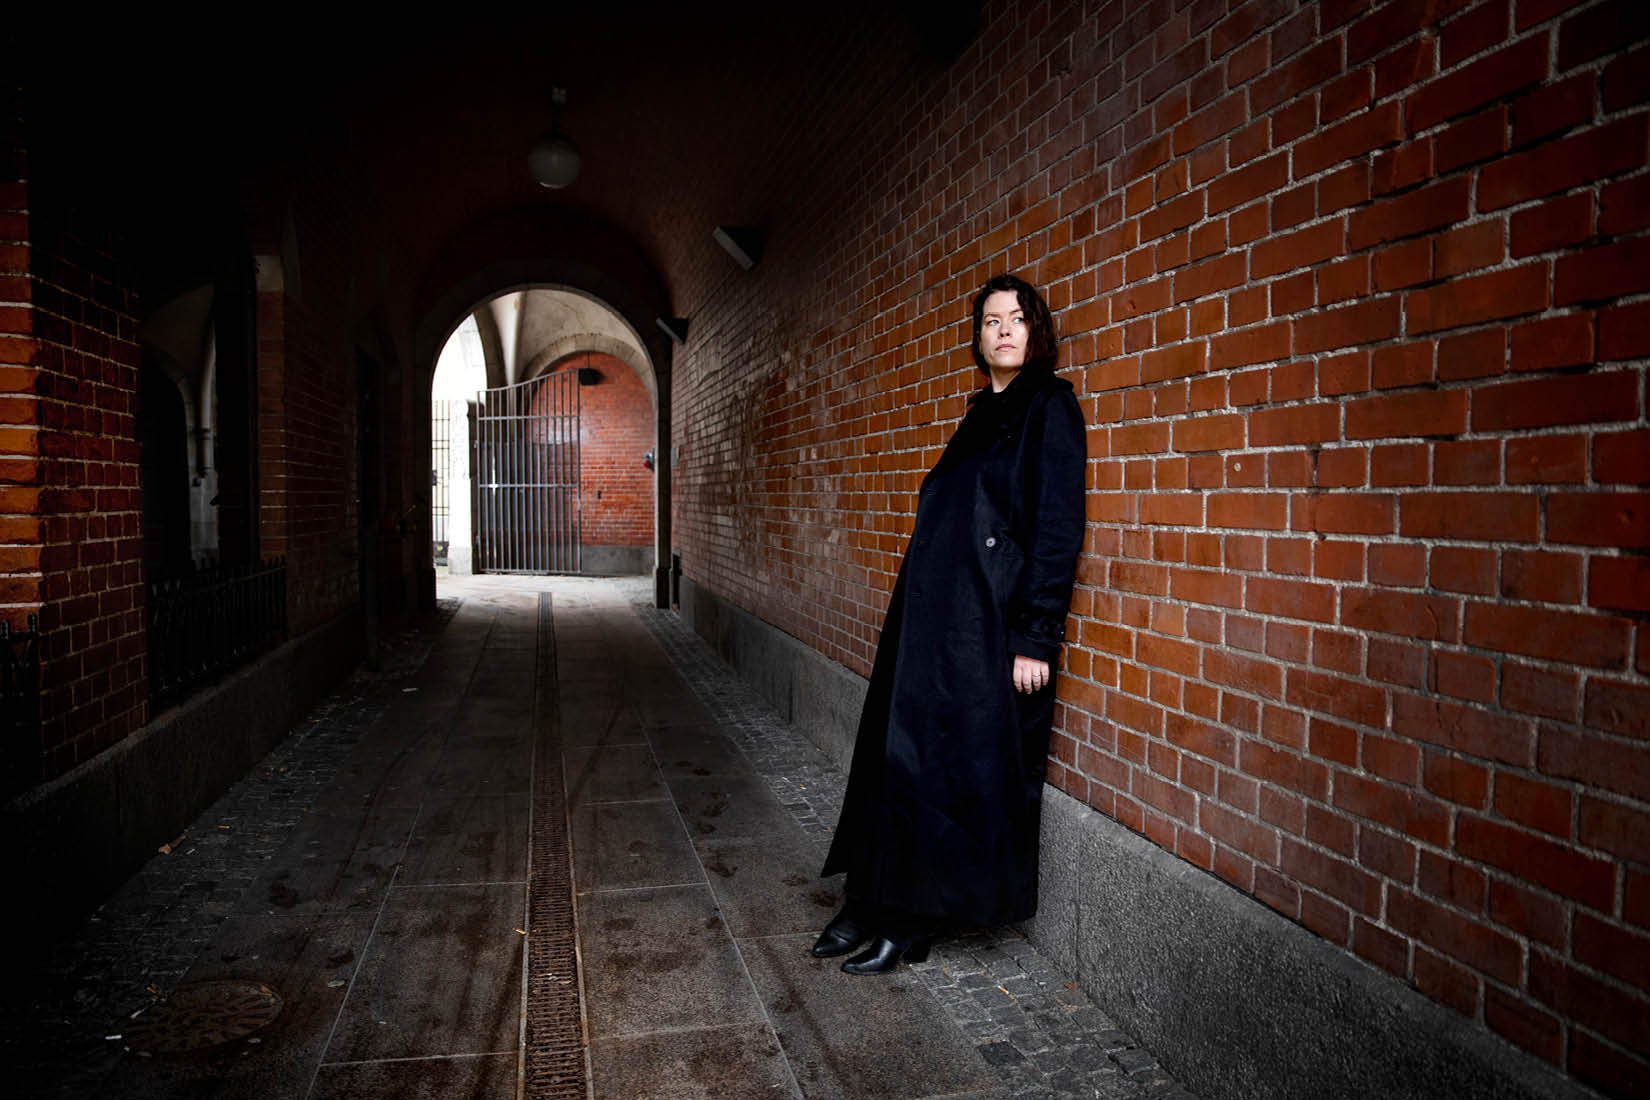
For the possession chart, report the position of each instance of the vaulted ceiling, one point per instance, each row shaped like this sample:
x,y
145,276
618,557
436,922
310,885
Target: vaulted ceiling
x,y
688,116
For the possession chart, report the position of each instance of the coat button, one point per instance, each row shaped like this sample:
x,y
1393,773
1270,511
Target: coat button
x,y
990,542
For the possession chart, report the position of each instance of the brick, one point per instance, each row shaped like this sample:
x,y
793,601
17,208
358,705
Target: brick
x,y
1472,355
1470,515
1446,982
1541,692
1302,248
1525,1025
1624,206
1553,108
1600,519
1557,223
1479,298
1402,265
1599,397
1534,804
1407,215
1570,162
1537,860
1456,780
1249,510
1463,569
1363,323
1603,763
1614,827
1452,881
1618,707
1622,458
1467,248
1547,459
1499,74
1479,138
1290,599
1599,30
1527,912
1390,24
1586,639
1344,514
1553,342
1361,134
1350,700
1626,81
1463,728
1607,271
1409,414
1476,944
1620,584
1595,1004
1338,878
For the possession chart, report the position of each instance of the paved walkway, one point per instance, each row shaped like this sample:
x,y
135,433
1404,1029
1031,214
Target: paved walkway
x,y
374,870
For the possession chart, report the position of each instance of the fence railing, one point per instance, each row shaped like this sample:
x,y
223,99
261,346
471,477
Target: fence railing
x,y
212,620
20,704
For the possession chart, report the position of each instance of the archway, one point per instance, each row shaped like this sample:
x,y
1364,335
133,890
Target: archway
x,y
597,273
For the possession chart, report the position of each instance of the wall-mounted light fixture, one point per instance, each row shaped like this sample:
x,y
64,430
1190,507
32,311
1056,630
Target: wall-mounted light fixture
x,y
675,327
554,160
741,242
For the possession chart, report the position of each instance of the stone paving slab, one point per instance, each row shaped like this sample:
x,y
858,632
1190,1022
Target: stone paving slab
x,y
424,988
738,1062
658,959
310,961
473,1077
848,1039
626,845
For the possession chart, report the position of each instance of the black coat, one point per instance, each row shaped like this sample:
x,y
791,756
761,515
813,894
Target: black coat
x,y
941,812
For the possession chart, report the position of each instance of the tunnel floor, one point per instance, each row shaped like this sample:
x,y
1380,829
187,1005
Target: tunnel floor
x,y
373,910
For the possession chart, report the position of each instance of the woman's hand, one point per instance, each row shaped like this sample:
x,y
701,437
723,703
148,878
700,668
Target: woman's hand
x,y
1029,675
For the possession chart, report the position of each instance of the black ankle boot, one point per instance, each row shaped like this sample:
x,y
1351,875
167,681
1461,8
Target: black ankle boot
x,y
885,954
847,930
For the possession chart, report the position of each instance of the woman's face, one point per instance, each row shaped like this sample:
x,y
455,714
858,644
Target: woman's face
x,y
1003,334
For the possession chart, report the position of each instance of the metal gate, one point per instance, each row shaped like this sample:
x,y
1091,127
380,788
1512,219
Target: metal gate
x,y
526,476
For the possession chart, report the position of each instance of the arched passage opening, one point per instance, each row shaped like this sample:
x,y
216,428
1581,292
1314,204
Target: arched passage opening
x,y
544,288
542,437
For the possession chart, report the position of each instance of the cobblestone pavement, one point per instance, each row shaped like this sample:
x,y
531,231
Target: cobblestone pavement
x,y
1045,1037
60,1027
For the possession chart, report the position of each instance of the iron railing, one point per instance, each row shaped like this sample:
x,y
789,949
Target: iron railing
x,y
211,620
20,703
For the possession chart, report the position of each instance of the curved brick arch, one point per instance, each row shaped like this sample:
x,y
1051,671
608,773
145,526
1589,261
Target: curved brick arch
x,y
543,247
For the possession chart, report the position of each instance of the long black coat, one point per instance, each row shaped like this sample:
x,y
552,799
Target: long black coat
x,y
941,813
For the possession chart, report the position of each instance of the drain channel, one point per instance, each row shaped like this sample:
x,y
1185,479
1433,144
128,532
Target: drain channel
x,y
555,1064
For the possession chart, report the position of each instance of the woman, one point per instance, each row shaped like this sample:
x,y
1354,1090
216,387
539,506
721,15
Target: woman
x,y
940,821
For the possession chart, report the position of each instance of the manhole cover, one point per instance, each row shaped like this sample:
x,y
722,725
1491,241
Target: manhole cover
x,y
203,1014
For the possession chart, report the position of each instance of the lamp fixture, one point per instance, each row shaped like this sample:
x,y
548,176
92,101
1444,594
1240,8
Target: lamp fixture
x,y
741,242
554,160
675,327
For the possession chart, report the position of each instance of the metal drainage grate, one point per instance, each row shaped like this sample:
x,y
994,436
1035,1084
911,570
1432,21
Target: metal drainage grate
x,y
555,1058
203,1014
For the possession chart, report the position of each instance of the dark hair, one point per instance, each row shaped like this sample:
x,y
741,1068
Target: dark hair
x,y
1042,348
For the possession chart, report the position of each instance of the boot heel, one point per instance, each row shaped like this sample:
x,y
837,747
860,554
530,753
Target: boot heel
x,y
918,951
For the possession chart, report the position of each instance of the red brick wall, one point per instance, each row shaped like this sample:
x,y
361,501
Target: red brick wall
x,y
71,526
615,432
308,397
1354,295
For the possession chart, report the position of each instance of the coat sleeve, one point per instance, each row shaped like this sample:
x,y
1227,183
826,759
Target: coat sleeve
x,y
1054,519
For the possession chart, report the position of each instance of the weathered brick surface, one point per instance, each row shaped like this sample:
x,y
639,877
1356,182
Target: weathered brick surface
x,y
70,501
1351,294
615,433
